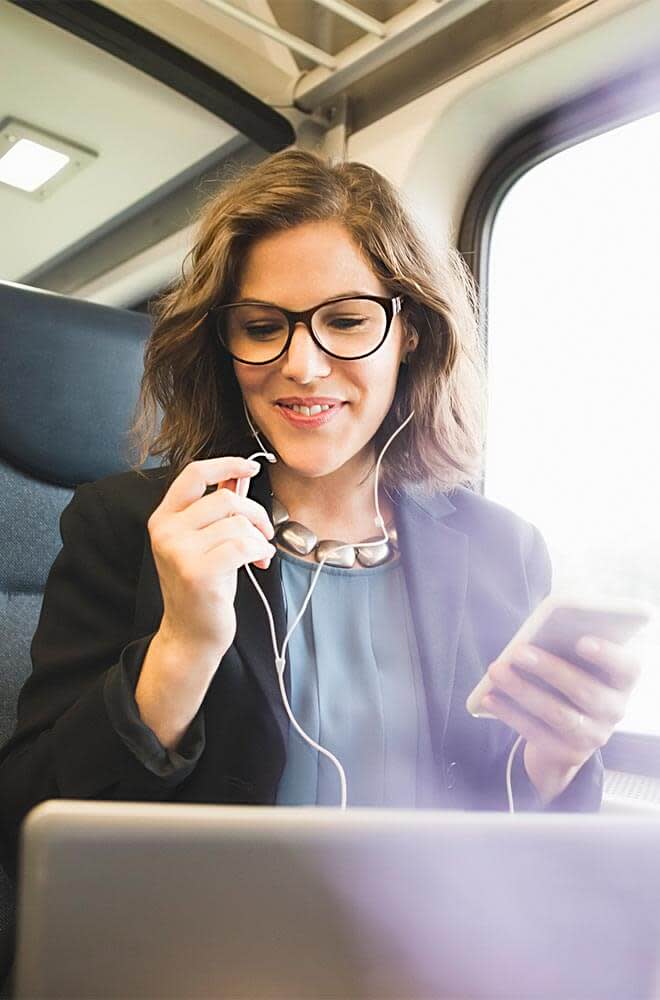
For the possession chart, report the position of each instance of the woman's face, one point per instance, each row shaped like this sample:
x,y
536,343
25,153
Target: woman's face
x,y
298,269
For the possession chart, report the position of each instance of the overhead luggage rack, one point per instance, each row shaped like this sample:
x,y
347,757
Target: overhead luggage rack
x,y
380,42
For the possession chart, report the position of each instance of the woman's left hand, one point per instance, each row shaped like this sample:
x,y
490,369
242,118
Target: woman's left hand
x,y
566,722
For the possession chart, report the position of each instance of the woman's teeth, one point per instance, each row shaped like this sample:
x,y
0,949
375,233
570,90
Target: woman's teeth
x,y
309,411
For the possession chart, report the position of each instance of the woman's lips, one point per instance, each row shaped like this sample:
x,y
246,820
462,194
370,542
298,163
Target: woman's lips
x,y
301,420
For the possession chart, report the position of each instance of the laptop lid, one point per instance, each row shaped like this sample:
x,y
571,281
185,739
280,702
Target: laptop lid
x,y
122,899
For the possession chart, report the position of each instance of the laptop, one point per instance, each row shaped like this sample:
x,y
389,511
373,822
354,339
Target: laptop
x,y
171,900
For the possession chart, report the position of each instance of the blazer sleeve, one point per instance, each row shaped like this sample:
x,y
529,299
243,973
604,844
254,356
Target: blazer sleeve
x,y
585,792
78,732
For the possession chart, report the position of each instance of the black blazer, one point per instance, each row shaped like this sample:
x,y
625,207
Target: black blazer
x,y
474,570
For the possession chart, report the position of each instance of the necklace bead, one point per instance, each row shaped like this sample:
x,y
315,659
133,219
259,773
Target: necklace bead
x,y
297,538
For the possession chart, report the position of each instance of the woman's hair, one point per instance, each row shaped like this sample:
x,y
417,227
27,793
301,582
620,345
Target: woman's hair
x,y
190,377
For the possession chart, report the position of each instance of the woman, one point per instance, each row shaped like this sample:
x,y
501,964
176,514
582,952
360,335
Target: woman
x,y
154,672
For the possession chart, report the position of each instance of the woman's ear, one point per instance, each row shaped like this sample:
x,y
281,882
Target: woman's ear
x,y
410,347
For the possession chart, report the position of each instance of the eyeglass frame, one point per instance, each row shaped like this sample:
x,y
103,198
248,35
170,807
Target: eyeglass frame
x,y
392,306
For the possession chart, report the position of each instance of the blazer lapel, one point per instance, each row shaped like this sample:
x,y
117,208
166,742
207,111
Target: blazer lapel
x,y
435,563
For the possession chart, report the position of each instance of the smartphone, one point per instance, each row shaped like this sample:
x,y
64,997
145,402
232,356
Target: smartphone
x,y
558,622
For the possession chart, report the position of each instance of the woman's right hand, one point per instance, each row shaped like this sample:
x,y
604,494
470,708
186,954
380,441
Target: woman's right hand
x,y
199,542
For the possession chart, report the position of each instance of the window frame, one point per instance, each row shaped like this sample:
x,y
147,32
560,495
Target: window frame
x,y
622,100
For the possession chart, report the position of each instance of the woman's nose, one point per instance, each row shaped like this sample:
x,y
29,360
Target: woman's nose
x,y
304,360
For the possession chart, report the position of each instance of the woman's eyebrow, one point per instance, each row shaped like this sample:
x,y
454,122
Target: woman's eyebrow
x,y
339,295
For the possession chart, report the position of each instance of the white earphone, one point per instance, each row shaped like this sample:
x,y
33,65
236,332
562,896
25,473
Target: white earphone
x,y
242,486
280,662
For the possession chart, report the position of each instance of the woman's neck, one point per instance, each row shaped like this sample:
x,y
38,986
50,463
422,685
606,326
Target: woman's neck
x,y
333,506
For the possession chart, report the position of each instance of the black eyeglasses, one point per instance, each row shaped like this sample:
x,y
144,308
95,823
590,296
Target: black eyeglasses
x,y
348,328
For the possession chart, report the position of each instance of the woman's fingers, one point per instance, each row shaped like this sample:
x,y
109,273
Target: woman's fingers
x,y
227,529
563,711
554,688
547,706
197,567
239,549
568,749
193,480
621,667
223,503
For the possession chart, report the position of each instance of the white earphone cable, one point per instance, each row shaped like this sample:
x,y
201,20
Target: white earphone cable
x,y
280,659
509,793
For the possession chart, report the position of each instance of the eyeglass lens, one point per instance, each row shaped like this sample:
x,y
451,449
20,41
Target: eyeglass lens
x,y
258,332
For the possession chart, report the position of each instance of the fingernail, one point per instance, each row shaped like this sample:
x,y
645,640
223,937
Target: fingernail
x,y
587,645
526,655
254,466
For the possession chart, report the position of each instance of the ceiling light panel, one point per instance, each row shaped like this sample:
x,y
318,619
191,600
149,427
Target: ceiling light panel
x,y
34,163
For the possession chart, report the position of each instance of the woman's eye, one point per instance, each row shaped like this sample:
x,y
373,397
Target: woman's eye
x,y
264,330
346,322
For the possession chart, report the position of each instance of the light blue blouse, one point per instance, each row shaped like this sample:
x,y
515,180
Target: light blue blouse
x,y
356,689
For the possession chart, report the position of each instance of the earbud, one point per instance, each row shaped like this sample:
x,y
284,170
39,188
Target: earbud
x,y
268,455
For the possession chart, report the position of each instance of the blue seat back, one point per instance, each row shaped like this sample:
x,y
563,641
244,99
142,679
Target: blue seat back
x,y
70,373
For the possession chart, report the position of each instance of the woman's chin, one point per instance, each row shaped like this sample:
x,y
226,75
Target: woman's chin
x,y
313,461
306,464
306,470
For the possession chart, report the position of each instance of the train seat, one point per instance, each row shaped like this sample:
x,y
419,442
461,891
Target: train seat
x,y
69,380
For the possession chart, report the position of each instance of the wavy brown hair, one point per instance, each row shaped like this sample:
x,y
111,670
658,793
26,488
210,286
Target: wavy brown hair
x,y
189,376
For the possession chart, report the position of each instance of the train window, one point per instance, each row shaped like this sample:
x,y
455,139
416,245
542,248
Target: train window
x,y
573,366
